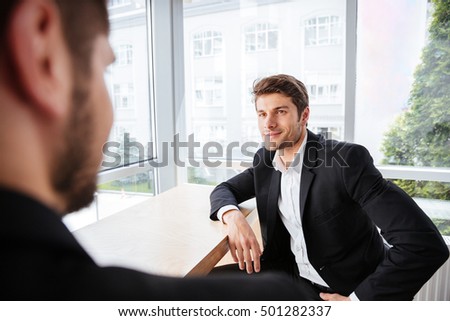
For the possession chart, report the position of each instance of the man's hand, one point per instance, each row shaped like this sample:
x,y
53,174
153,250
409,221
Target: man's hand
x,y
333,297
244,246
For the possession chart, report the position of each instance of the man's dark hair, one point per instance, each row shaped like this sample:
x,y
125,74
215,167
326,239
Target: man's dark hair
x,y
82,21
283,84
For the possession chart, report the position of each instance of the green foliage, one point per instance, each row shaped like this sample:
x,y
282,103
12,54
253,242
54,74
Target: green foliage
x,y
195,176
139,183
443,226
425,189
420,136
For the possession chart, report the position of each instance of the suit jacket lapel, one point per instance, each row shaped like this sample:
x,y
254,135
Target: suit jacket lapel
x,y
309,162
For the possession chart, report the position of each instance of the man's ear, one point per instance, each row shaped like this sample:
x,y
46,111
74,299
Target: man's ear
x,y
305,116
40,57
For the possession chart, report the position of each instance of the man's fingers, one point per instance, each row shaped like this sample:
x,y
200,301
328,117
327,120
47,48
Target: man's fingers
x,y
256,251
256,263
233,252
248,261
240,256
333,297
244,246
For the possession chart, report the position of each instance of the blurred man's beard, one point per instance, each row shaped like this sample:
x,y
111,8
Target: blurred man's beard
x,y
75,173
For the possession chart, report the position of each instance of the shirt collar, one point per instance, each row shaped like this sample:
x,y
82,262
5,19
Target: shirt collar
x,y
298,159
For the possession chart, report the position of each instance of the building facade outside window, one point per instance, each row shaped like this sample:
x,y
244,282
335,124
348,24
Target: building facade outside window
x,y
207,43
323,30
124,55
209,91
118,3
322,93
123,96
260,37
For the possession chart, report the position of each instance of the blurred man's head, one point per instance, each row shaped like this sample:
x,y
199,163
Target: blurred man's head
x,y
55,103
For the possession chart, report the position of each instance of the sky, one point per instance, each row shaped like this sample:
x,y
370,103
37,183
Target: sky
x,y
391,35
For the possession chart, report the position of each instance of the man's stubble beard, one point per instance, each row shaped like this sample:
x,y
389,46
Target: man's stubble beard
x,y
75,174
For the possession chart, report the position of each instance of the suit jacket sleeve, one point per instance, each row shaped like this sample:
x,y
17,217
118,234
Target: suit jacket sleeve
x,y
232,192
416,248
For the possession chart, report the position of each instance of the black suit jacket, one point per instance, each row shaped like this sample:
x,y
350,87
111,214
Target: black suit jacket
x,y
41,260
343,199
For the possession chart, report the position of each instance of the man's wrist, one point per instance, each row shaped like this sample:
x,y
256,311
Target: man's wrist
x,y
230,216
225,209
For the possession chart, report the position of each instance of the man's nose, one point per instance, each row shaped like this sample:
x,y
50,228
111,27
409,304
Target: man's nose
x,y
269,122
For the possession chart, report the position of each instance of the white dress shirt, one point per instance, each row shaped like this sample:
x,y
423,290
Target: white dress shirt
x,y
289,205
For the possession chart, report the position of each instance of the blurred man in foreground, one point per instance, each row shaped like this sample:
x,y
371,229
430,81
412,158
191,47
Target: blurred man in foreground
x,y
55,115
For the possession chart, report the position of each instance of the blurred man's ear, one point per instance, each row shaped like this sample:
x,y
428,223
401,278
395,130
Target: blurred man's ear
x,y
39,57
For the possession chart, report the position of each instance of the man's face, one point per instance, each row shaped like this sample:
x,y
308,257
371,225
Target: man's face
x,y
87,130
278,121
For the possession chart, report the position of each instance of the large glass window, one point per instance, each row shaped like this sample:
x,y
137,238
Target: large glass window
x,y
263,38
128,80
402,100
122,181
398,107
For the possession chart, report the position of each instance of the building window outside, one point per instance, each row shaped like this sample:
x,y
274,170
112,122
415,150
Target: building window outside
x,y
209,91
123,96
131,98
323,93
118,3
260,37
328,132
124,55
323,30
207,43
324,88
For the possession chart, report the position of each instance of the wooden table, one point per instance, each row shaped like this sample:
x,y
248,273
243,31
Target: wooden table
x,y
169,234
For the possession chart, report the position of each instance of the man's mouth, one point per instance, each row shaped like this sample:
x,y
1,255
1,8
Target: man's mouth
x,y
273,134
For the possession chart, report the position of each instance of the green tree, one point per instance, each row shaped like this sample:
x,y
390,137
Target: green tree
x,y
420,136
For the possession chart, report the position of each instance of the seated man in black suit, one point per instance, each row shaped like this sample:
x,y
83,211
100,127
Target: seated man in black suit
x,y
320,203
55,115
